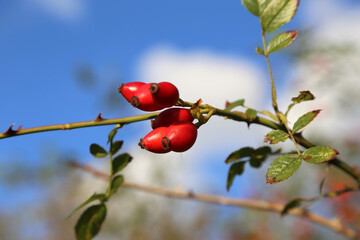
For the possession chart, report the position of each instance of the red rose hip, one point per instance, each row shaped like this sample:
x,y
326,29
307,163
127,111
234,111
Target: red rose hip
x,y
179,137
153,141
165,94
143,99
128,89
171,115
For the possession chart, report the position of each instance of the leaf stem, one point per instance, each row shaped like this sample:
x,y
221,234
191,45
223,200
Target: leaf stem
x,y
273,88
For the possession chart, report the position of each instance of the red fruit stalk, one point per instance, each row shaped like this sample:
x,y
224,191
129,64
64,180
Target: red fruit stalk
x,y
169,116
153,141
179,137
128,89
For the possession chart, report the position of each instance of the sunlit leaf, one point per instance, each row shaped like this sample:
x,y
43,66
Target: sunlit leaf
x,y
251,114
97,151
276,136
304,120
239,154
283,167
230,105
319,154
94,197
281,41
303,96
116,146
235,169
120,162
278,13
90,222
256,7
271,115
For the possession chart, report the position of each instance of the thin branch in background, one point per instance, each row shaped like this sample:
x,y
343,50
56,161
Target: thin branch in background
x,y
334,224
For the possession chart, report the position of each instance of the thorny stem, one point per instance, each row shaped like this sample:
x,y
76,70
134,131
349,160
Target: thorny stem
x,y
274,96
234,115
333,224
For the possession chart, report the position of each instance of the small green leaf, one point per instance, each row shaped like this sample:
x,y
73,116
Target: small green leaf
x,y
304,120
230,105
278,13
94,197
303,96
116,183
120,162
319,154
259,156
256,7
271,115
235,169
292,204
97,151
113,133
239,154
115,147
276,136
283,167
90,222
281,41
251,114
282,117
259,51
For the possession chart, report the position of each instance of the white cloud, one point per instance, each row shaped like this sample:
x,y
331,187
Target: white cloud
x,y
332,76
202,74
61,9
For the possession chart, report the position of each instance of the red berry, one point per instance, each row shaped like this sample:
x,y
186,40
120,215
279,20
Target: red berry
x,y
128,89
165,94
143,99
153,141
180,136
171,115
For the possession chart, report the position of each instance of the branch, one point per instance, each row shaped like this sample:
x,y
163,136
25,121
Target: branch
x,y
333,224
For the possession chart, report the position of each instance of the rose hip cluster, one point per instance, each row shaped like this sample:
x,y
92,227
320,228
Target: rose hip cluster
x,y
173,129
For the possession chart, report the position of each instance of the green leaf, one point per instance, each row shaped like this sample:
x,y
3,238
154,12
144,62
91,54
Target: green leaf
x,y
282,117
259,51
281,41
276,136
271,115
238,154
319,154
304,120
235,169
116,183
113,133
120,162
90,222
97,151
230,105
277,13
292,204
251,114
259,156
94,197
283,167
256,7
303,96
115,147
